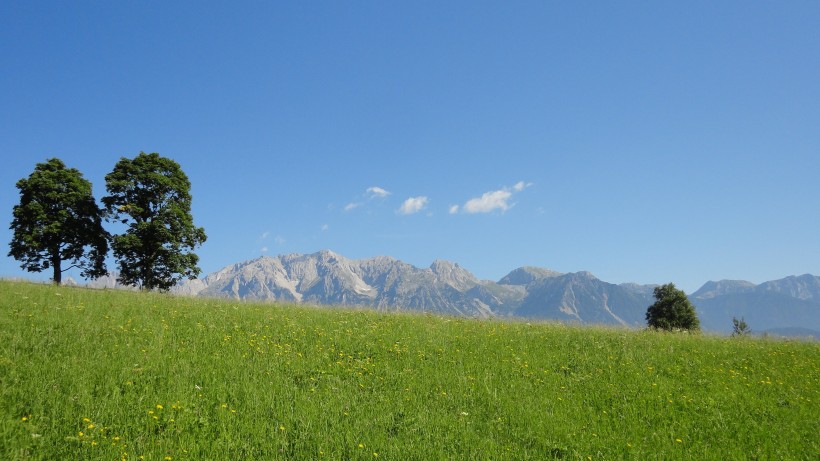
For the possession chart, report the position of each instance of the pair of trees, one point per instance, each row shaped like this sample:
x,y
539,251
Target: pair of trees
x,y
59,221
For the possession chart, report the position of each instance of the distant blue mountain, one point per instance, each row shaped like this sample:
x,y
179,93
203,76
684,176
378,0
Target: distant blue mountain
x,y
791,302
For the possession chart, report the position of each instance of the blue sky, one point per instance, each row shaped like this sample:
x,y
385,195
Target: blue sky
x,y
641,141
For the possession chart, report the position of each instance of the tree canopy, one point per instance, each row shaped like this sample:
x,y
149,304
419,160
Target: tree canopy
x,y
58,220
672,310
151,195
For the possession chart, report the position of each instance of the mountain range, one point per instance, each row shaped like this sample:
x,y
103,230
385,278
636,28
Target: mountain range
x,y
787,306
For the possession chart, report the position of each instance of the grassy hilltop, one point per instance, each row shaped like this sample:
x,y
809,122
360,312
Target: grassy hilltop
x,y
90,374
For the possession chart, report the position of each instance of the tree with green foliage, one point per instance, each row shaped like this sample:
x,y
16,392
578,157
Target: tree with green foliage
x,y
740,327
58,220
151,195
672,310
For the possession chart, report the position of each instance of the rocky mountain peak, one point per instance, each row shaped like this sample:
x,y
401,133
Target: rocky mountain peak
x,y
326,256
584,275
526,275
712,289
804,286
453,274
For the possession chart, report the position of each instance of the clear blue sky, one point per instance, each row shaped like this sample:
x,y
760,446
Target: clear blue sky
x,y
641,141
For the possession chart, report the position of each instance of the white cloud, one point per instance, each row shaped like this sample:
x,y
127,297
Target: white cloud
x,y
279,240
325,227
413,205
489,201
264,235
375,191
371,193
264,249
453,209
521,185
493,200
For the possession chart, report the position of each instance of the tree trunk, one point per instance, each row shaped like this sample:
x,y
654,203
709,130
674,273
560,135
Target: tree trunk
x,y
55,264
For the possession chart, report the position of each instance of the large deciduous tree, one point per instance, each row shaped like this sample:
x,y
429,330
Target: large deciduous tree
x,y
672,310
58,220
151,195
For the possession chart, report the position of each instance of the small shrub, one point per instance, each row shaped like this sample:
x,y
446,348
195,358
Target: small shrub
x,y
740,327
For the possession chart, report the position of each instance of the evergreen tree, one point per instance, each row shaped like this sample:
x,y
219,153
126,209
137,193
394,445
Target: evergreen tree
x,y
151,195
58,220
740,327
672,310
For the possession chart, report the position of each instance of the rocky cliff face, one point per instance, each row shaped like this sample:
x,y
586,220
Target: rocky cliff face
x,y
582,298
328,278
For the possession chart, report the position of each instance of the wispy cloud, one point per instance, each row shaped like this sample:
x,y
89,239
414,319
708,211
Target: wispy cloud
x,y
492,200
325,227
264,235
371,193
279,240
521,185
264,249
376,192
413,205
453,209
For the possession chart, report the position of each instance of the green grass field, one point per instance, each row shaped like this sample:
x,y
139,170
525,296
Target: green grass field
x,y
88,374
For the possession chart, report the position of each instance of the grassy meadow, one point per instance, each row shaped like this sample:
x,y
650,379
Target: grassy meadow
x,y
88,374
